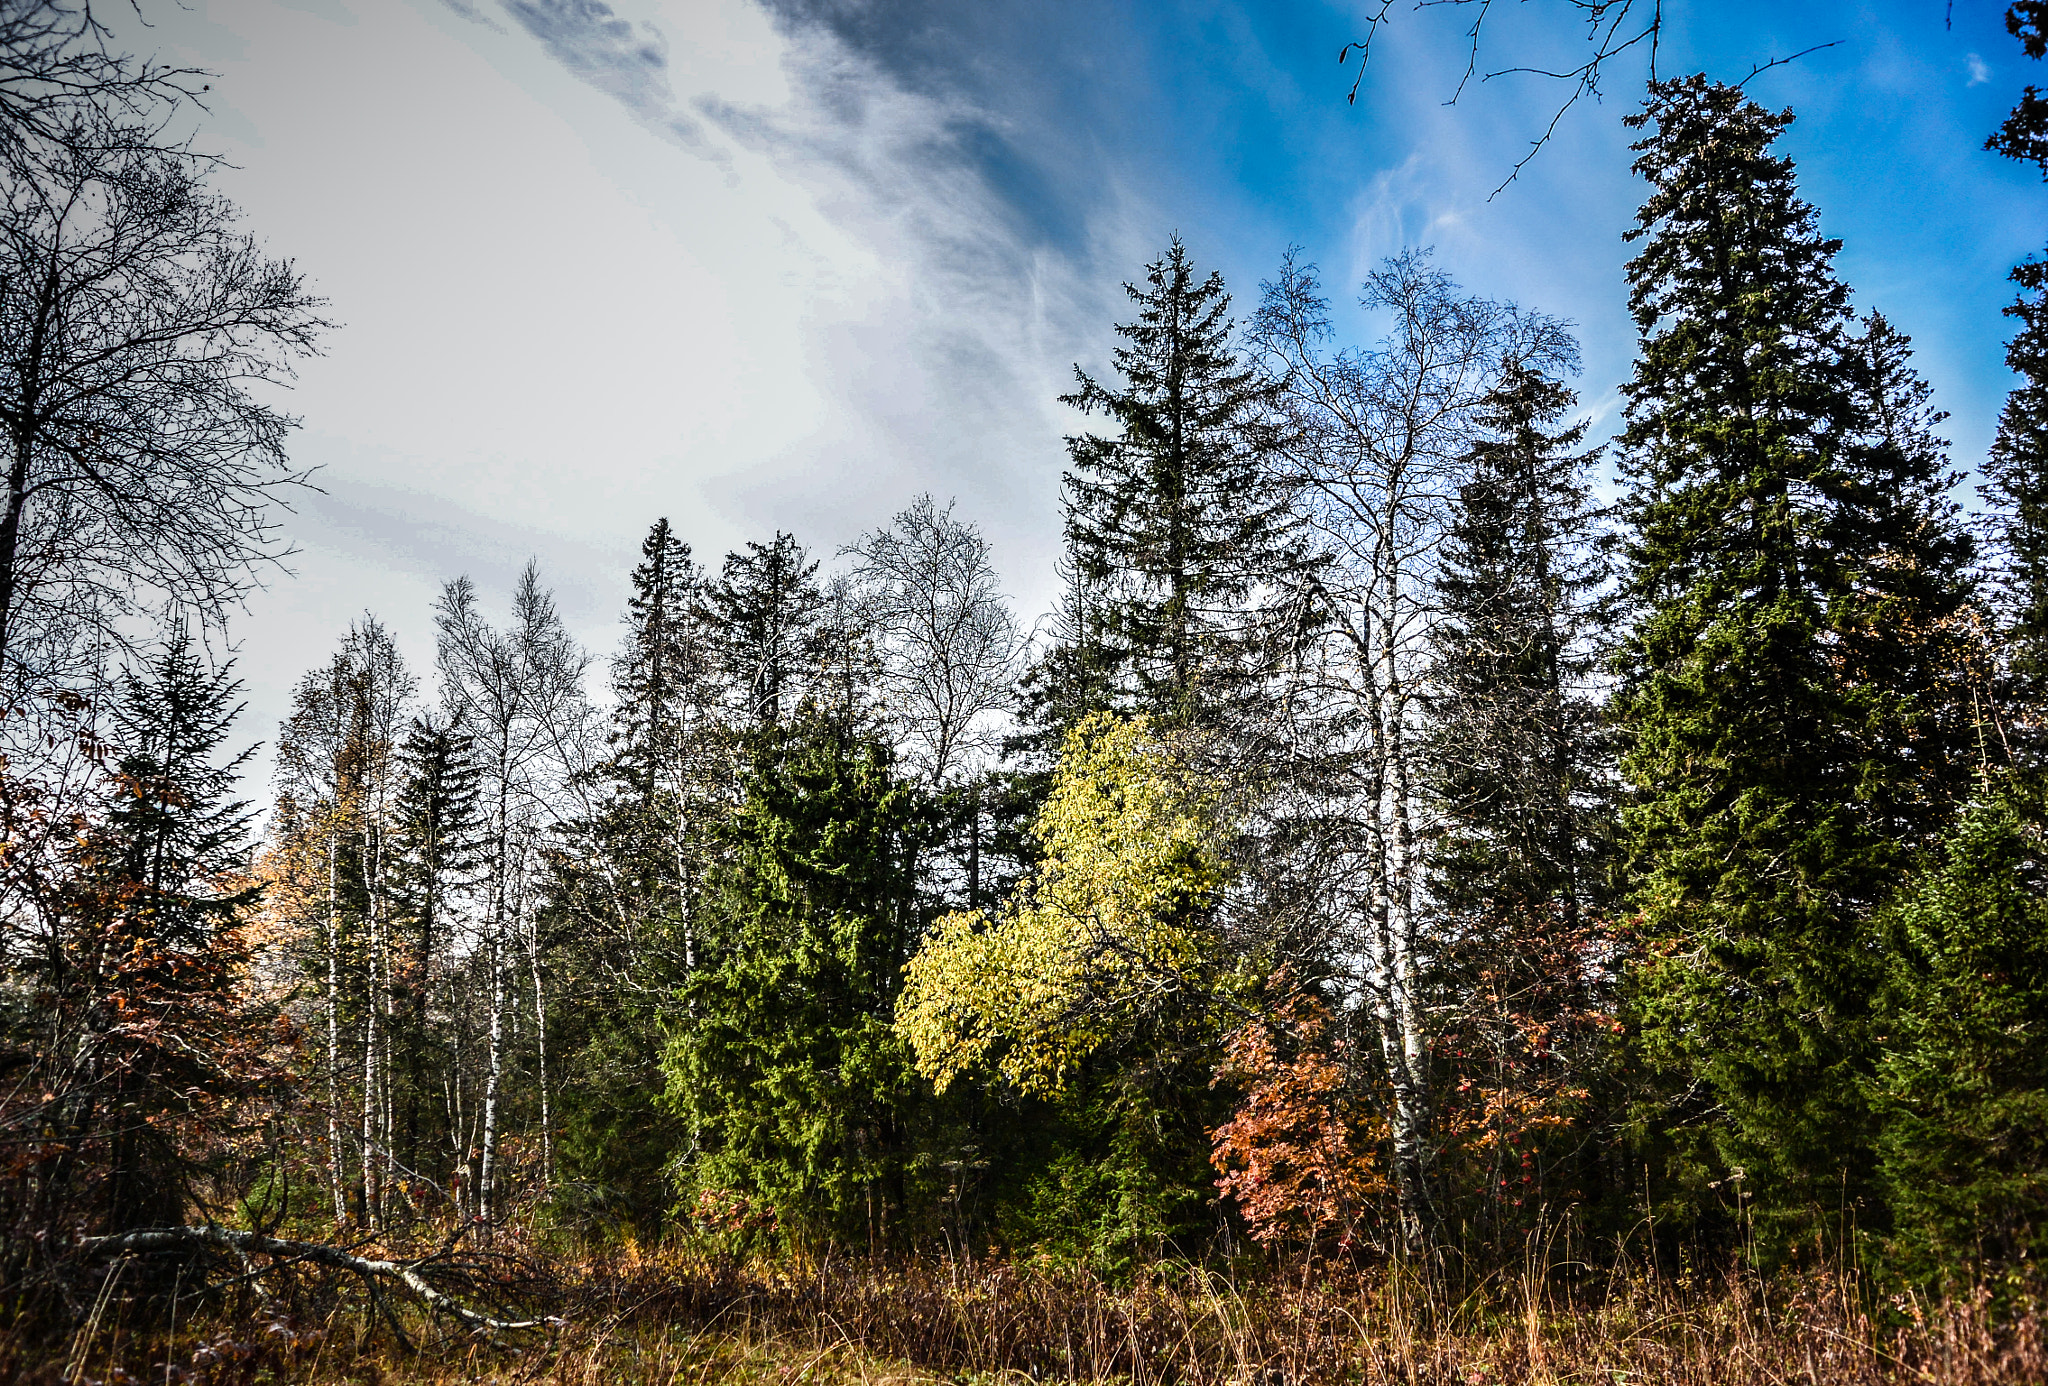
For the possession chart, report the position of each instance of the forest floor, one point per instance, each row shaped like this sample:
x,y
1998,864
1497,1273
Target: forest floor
x,y
682,1321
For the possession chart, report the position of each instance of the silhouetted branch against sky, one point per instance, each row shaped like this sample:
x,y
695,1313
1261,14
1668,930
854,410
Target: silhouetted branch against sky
x,y
1613,31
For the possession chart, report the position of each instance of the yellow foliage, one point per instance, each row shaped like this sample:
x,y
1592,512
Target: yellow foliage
x,y
1116,921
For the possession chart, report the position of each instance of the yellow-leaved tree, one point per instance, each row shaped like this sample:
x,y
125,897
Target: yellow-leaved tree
x,y
1117,926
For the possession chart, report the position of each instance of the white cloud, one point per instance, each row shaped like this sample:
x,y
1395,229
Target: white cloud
x,y
1980,72
596,267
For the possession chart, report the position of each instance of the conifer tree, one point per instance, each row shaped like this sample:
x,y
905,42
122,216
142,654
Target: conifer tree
x,y
439,836
627,901
787,1069
1185,562
180,822
1514,753
660,778
156,905
657,678
2016,486
1961,1089
765,615
1518,768
2016,474
2024,133
1787,539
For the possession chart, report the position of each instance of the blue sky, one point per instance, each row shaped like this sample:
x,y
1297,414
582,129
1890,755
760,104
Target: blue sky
x,y
783,263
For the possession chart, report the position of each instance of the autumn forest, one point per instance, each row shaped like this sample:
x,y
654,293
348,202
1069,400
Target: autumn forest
x,y
1451,893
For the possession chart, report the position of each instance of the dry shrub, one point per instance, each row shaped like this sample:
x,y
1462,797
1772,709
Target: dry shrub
x,y
681,1316
1192,1326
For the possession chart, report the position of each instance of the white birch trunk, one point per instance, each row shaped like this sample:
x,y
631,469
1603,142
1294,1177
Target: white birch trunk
x,y
334,1028
495,950
493,1075
458,1127
540,1028
368,1210
1409,1064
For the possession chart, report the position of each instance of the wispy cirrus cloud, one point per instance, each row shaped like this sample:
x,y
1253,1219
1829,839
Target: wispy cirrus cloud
x,y
962,256
625,59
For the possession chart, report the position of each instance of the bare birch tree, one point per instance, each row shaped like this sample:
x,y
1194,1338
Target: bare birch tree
x,y
948,643
516,690
1379,437
63,84
336,766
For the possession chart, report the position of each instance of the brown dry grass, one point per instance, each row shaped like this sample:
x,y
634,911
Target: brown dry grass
x,y
666,1320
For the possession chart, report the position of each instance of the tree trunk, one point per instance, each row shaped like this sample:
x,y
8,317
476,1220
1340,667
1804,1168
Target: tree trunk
x,y
493,1076
495,947
540,1029
1408,1063
334,1027
23,428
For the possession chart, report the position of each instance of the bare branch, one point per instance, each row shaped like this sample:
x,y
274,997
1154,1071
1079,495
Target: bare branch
x,y
406,1273
1613,29
1788,58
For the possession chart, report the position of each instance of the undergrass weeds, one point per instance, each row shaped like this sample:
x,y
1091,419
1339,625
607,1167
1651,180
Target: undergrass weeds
x,y
665,1318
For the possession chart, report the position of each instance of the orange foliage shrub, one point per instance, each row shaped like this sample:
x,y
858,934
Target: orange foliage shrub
x,y
1300,1156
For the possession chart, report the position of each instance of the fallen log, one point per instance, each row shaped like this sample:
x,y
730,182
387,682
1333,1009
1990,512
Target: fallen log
x,y
405,1273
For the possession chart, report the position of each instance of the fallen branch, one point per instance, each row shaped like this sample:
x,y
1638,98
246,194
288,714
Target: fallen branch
x,y
318,1253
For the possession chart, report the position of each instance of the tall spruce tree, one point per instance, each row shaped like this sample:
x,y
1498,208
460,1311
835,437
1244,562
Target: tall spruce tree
x,y
439,853
2016,474
1787,540
1516,744
765,614
661,780
627,901
2016,486
1186,568
1518,762
155,942
181,826
787,1070
660,672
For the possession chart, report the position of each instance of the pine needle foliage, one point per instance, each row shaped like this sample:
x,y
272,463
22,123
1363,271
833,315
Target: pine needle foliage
x,y
765,615
1792,571
1514,754
2016,473
1185,564
781,1061
1962,1087
181,825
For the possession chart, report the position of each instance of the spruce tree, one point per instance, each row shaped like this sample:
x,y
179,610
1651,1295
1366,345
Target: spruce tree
x,y
181,826
1787,540
1961,1089
1185,564
765,616
627,901
787,1069
2016,474
155,948
439,852
1516,744
660,673
2024,133
2016,487
661,784
1517,761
